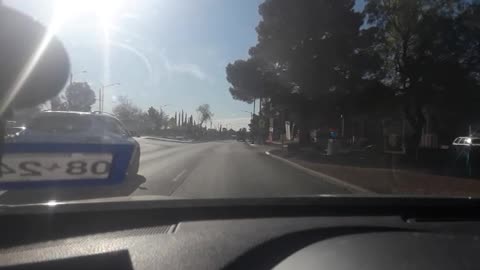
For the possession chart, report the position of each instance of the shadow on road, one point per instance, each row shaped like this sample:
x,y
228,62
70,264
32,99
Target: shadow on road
x,y
41,195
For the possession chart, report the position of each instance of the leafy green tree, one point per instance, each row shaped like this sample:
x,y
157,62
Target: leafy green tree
x,y
58,103
309,50
172,123
164,119
252,79
125,110
254,127
80,97
322,59
242,134
429,51
204,114
155,117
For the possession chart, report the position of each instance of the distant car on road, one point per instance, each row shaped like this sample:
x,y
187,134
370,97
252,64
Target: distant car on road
x,y
462,142
79,127
466,152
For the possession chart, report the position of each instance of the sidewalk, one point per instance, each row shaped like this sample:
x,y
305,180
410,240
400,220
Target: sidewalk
x,y
391,180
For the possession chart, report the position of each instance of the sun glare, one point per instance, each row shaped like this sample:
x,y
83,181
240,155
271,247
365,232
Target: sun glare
x,y
103,11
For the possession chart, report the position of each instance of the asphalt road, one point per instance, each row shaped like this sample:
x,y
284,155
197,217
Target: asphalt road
x,y
222,169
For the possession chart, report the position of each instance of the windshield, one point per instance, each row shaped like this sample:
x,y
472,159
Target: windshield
x,y
237,99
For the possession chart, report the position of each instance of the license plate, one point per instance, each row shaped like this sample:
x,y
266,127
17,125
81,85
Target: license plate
x,y
28,167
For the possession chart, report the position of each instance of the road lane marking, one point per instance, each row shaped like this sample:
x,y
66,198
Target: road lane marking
x,y
179,176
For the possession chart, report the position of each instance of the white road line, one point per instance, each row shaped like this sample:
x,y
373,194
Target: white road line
x,y
179,176
325,177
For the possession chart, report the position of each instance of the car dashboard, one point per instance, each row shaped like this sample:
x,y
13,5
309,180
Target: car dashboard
x,y
311,233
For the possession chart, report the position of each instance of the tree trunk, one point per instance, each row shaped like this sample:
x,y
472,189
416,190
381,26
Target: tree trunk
x,y
417,122
304,125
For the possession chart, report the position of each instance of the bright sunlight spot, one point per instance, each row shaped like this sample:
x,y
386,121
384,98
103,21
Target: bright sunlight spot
x,y
52,203
105,11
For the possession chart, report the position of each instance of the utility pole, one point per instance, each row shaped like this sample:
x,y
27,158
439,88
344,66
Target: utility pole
x,y
100,99
101,94
103,97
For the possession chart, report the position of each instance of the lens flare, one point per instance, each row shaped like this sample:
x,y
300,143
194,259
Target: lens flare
x,y
12,92
105,12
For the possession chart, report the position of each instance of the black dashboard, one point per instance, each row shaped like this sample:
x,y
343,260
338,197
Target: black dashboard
x,y
296,233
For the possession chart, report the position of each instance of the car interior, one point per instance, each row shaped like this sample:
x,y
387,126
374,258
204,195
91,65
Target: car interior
x,y
308,233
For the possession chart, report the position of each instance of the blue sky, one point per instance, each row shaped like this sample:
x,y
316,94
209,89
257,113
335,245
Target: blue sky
x,y
160,51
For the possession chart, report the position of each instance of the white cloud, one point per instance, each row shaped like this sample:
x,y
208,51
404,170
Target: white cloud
x,y
186,68
191,69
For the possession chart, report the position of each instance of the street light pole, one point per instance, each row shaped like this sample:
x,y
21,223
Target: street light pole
x,y
100,99
101,94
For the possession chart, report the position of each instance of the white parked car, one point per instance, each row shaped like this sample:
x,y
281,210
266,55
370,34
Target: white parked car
x,y
466,141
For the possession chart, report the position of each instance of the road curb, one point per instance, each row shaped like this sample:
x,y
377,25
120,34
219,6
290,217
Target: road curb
x,y
327,178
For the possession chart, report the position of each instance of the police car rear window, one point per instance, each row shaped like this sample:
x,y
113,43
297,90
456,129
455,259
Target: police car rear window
x,y
112,125
60,123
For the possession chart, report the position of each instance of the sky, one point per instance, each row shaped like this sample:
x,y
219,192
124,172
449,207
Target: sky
x,y
163,53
